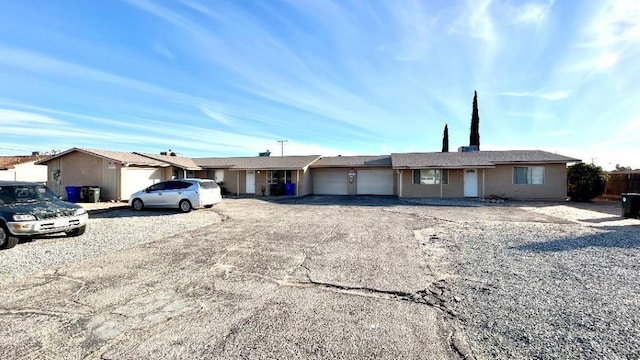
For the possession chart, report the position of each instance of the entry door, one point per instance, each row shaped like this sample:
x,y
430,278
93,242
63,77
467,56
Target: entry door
x,y
251,182
471,183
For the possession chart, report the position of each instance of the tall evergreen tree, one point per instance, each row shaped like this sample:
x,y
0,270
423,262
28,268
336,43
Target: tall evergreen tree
x,y
445,139
474,137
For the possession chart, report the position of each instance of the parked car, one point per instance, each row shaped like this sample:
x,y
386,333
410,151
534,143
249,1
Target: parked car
x,y
184,194
28,209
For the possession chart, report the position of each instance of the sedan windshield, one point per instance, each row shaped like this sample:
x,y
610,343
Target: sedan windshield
x,y
13,194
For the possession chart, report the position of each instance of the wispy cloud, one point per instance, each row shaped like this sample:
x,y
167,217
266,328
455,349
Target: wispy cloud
x,y
557,133
10,117
476,21
532,12
551,96
162,50
215,115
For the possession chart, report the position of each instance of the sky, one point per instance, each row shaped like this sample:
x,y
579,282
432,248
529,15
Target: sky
x,y
350,77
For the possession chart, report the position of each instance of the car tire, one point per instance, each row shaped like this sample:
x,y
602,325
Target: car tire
x,y
6,240
208,206
137,205
185,206
77,232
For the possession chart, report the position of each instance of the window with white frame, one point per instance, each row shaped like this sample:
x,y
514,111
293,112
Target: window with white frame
x,y
528,175
430,176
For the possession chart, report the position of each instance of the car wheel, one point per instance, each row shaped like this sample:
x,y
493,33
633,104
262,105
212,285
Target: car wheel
x,y
208,206
6,240
137,205
185,206
77,232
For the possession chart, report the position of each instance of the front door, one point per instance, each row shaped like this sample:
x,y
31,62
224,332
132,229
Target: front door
x,y
471,183
251,182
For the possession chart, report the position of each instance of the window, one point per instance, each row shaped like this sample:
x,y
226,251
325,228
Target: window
x,y
279,176
430,176
533,175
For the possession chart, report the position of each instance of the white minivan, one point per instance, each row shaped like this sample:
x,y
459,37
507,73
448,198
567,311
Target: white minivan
x,y
184,194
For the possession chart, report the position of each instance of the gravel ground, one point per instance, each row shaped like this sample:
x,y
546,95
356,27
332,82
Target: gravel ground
x,y
379,277
558,289
106,232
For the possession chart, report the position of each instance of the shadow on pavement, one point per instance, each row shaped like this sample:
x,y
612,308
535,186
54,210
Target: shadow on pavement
x,y
626,237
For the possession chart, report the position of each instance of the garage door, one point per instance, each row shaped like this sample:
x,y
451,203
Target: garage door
x,y
135,179
375,182
330,182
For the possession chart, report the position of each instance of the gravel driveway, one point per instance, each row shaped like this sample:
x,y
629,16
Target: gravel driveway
x,y
325,277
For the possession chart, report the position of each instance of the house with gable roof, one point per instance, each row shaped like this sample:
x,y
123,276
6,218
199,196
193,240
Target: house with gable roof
x,y
516,174
22,168
252,175
118,174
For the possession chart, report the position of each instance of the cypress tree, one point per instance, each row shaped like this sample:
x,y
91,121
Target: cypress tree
x,y
474,137
445,139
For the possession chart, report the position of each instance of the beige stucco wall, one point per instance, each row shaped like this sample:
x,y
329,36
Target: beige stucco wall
x,y
80,169
494,181
306,182
453,189
499,181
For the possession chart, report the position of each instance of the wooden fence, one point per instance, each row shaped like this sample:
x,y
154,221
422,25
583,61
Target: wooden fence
x,y
622,182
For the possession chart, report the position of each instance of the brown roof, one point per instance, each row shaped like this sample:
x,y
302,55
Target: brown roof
x,y
475,159
353,161
8,162
258,162
124,158
177,161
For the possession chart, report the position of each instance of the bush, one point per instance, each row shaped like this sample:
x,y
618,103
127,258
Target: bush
x,y
585,182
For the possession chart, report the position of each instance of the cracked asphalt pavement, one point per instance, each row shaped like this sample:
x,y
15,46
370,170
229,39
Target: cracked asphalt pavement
x,y
316,277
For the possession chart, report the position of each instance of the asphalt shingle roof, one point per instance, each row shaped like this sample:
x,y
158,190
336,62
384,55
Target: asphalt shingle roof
x,y
116,156
258,162
177,161
353,161
475,159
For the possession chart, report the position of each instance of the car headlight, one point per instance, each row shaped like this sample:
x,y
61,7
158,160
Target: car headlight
x,y
81,211
23,217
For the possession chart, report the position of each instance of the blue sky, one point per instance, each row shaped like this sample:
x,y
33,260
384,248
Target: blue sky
x,y
230,78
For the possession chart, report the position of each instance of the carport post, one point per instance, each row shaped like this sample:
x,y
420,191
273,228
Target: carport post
x,y
483,171
441,170
237,183
297,181
400,183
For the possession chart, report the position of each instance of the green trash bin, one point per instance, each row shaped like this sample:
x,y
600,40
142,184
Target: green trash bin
x,y
94,194
84,194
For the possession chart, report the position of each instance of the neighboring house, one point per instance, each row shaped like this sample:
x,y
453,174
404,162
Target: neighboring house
x,y
516,174
353,175
22,168
252,175
180,167
118,174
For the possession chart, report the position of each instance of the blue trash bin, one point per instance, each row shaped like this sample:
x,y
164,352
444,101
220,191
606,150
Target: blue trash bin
x,y
289,189
73,193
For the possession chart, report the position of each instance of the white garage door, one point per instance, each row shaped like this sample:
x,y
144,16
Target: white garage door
x,y
374,182
135,179
330,182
